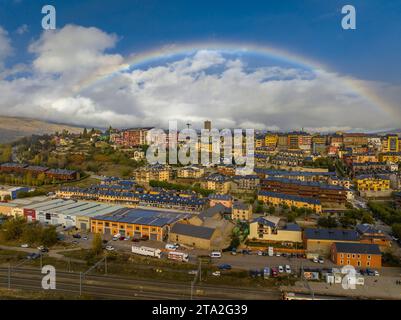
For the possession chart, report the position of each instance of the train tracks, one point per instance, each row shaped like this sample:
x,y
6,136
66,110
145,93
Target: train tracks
x,y
117,287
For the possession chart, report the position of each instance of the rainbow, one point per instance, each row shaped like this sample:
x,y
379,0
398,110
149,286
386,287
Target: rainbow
x,y
355,86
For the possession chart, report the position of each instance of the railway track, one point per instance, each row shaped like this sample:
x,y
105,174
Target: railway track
x,y
116,287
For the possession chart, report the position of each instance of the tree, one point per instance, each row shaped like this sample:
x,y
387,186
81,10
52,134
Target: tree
x,y
13,228
367,218
49,236
396,228
328,222
97,245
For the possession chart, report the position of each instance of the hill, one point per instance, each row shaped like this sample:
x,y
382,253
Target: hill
x,y
13,128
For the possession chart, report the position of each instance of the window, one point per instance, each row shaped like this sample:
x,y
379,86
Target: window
x,y
359,256
353,256
341,261
368,263
369,257
359,263
348,262
342,255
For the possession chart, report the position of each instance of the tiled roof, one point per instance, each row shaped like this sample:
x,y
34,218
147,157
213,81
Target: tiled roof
x,y
289,197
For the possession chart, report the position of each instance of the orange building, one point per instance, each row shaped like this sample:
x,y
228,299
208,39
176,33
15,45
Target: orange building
x,y
358,255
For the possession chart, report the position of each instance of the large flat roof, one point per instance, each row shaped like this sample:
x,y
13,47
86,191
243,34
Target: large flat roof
x,y
145,217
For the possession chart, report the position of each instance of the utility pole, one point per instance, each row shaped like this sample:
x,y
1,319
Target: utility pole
x,y
80,283
9,276
105,264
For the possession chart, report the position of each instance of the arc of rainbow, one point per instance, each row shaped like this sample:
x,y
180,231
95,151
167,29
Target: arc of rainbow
x,y
354,85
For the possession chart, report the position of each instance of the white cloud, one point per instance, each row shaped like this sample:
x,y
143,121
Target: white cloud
x,y
204,85
22,29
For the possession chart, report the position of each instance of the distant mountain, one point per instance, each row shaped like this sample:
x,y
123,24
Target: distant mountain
x,y
391,131
13,128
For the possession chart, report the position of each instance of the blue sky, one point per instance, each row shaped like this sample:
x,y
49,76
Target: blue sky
x,y
312,29
309,28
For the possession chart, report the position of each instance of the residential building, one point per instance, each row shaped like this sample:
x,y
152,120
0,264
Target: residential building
x,y
190,172
372,182
320,240
358,255
277,199
268,228
324,192
223,199
216,182
155,172
371,235
241,211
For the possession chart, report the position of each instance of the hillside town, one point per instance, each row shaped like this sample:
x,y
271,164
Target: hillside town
x,y
313,204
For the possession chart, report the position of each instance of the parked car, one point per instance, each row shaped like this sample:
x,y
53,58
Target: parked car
x,y
280,269
278,254
76,236
234,252
109,248
33,256
216,273
116,237
193,272
135,240
376,273
321,260
85,238
274,272
284,255
370,272
260,253
287,269
224,266
122,238
25,245
44,249
315,260
254,273
144,238
170,246
245,251
362,272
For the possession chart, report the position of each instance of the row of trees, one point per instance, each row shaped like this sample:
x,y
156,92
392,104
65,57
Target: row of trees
x,y
31,233
388,214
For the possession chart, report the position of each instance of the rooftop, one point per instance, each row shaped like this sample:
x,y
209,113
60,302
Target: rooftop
x,y
331,234
359,248
193,231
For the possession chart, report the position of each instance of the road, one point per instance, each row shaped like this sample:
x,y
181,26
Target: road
x,y
116,287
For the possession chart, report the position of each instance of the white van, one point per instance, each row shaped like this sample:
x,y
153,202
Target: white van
x,y
215,254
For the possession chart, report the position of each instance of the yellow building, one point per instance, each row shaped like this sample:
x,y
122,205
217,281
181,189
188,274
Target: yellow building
x,y
190,172
372,183
390,157
391,143
259,142
195,236
241,211
276,199
271,140
157,173
218,183
268,229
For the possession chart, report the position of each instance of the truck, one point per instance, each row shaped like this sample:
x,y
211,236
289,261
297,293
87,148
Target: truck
x,y
178,256
270,251
146,251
